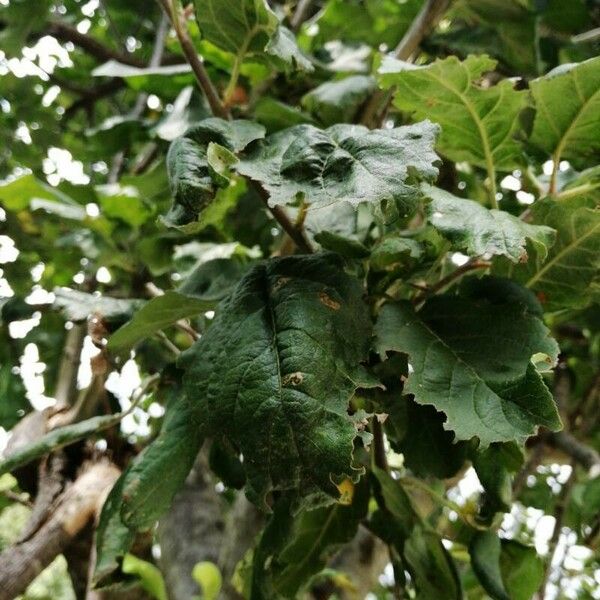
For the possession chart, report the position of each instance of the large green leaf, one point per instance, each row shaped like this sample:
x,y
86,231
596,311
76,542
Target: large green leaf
x,y
569,277
479,231
344,163
192,178
471,359
275,371
478,123
160,470
567,119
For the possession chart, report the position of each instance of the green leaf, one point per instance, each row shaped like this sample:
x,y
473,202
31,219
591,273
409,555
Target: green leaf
x,y
284,53
56,439
276,115
480,231
567,119
373,22
249,28
156,314
113,537
238,26
165,79
478,123
344,163
392,250
495,466
397,502
17,194
13,401
160,470
207,575
484,550
569,277
339,101
522,570
275,371
471,359
150,576
201,291
314,536
427,448
123,203
192,179
78,306
431,566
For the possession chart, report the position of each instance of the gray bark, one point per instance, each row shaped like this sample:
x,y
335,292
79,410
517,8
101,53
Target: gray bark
x,y
191,531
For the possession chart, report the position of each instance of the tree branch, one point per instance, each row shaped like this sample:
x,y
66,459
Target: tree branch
x,y
300,14
67,33
22,563
428,17
581,453
193,59
66,382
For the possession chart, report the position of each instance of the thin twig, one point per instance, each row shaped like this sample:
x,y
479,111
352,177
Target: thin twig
x,y
171,9
67,33
559,513
428,17
297,234
300,14
471,265
379,455
19,498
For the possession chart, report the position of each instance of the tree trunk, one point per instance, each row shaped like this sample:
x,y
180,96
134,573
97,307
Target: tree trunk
x,y
22,563
191,531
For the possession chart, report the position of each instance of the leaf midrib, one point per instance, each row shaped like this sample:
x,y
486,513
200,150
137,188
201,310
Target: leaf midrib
x,y
577,241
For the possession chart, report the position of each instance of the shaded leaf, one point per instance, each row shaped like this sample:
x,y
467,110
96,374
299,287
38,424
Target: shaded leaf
x,y
158,473
191,178
286,410
200,291
314,536
484,550
113,537
431,566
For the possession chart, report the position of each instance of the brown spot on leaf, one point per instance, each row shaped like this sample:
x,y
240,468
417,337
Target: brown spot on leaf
x,y
328,301
280,283
293,379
